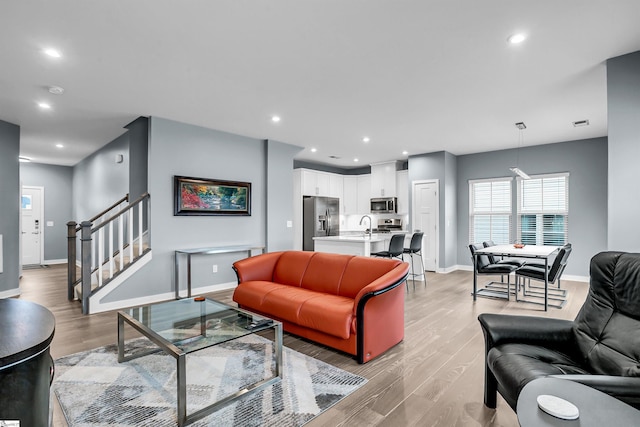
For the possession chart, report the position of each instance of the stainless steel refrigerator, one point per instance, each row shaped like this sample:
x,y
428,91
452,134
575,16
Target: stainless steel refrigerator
x,y
320,217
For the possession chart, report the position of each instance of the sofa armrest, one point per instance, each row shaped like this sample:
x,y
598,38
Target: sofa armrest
x,y
502,328
382,284
259,267
379,312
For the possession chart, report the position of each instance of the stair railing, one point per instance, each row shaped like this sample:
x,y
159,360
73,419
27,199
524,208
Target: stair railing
x,y
105,245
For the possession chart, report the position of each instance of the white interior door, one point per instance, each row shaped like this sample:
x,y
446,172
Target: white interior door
x,y
425,218
32,227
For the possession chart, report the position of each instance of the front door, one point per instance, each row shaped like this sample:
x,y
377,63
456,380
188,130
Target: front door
x,y
31,208
425,218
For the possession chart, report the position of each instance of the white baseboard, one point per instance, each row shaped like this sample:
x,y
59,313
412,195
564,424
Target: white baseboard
x,y
213,288
54,261
10,293
97,307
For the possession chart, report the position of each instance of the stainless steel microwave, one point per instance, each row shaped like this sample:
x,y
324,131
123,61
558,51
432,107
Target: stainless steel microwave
x,y
384,205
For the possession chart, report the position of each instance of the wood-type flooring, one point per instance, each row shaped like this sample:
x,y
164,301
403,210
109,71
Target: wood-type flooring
x,y
433,378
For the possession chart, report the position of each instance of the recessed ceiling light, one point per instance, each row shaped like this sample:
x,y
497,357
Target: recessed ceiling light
x,y
405,152
366,139
313,150
24,159
516,38
56,90
59,145
44,105
275,119
356,160
54,53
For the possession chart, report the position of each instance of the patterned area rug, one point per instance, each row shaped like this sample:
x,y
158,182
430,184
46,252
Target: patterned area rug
x,y
95,390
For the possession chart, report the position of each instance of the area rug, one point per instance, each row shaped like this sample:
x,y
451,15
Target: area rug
x,y
95,390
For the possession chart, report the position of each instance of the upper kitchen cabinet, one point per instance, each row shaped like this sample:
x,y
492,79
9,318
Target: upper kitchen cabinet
x,y
315,183
402,191
364,194
350,192
383,179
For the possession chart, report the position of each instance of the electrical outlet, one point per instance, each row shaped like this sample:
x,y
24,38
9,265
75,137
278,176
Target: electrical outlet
x,y
289,224
215,268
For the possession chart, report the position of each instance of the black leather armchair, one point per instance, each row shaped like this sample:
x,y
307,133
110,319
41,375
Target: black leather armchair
x,y
600,348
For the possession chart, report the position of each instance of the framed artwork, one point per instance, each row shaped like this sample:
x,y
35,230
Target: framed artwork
x,y
201,196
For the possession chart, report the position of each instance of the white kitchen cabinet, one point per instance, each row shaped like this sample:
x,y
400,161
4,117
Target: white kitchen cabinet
x,y
335,186
383,179
364,194
316,183
402,191
350,195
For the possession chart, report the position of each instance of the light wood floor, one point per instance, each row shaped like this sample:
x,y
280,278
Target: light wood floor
x,y
433,378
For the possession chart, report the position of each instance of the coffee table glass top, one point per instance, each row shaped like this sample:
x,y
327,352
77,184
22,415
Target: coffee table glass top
x,y
191,324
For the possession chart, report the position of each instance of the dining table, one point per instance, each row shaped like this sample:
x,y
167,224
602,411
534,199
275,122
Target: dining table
x,y
541,252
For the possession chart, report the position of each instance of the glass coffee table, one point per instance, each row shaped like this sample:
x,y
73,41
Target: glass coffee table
x,y
188,325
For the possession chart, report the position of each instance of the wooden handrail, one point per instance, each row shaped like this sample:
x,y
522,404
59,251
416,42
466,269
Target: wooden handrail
x,y
122,212
124,199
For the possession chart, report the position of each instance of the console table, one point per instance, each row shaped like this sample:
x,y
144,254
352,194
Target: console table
x,y
189,253
596,408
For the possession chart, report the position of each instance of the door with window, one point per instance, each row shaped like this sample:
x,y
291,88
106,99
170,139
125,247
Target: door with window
x,y
31,208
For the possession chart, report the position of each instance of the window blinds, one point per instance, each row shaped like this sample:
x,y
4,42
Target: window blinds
x,y
543,210
490,211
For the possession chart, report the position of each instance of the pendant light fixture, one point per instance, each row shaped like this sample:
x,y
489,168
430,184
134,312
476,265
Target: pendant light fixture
x,y
516,169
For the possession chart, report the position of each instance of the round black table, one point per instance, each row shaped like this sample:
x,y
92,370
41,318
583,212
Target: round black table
x,y
26,368
596,408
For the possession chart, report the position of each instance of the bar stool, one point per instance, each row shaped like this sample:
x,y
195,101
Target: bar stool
x,y
396,248
415,248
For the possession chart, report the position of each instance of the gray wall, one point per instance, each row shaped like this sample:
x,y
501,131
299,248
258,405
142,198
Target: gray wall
x,y
623,91
182,149
57,182
98,181
586,162
9,207
279,179
450,222
434,166
138,155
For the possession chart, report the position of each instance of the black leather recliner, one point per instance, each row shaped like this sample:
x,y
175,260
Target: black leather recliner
x,y
600,348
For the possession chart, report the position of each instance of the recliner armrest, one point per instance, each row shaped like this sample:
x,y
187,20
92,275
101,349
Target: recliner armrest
x,y
615,386
502,328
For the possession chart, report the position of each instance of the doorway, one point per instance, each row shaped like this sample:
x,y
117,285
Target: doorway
x,y
425,214
32,235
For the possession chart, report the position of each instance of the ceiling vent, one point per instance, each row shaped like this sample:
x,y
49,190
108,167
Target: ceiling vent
x,y
580,123
334,157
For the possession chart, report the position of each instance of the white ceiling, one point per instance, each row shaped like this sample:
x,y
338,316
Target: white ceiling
x,y
419,75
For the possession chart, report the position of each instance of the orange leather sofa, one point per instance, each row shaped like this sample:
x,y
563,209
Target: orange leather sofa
x,y
350,303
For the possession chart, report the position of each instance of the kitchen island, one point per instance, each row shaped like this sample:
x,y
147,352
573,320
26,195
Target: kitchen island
x,y
351,244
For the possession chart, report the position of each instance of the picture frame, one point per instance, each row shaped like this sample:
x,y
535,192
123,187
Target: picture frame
x,y
203,196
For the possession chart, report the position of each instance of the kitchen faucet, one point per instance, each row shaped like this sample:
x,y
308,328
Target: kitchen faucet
x,y
368,230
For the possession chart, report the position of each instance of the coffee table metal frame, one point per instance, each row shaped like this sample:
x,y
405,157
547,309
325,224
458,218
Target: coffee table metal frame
x,y
173,349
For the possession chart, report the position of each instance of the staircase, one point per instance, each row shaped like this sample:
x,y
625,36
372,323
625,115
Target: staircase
x,y
113,244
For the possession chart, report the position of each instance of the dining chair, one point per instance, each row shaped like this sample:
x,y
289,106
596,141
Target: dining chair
x,y
485,266
552,273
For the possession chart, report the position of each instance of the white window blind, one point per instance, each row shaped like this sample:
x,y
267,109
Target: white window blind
x,y
543,210
490,210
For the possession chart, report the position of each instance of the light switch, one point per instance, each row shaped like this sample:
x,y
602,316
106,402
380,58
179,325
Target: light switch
x,y
49,223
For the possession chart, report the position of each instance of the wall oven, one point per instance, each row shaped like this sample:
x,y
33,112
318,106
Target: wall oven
x,y
384,205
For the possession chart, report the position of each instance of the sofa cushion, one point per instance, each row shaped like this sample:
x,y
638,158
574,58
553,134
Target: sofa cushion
x,y
361,271
324,273
291,266
331,314
251,294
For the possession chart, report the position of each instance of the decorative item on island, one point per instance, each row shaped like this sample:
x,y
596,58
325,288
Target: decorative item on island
x,y
202,196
